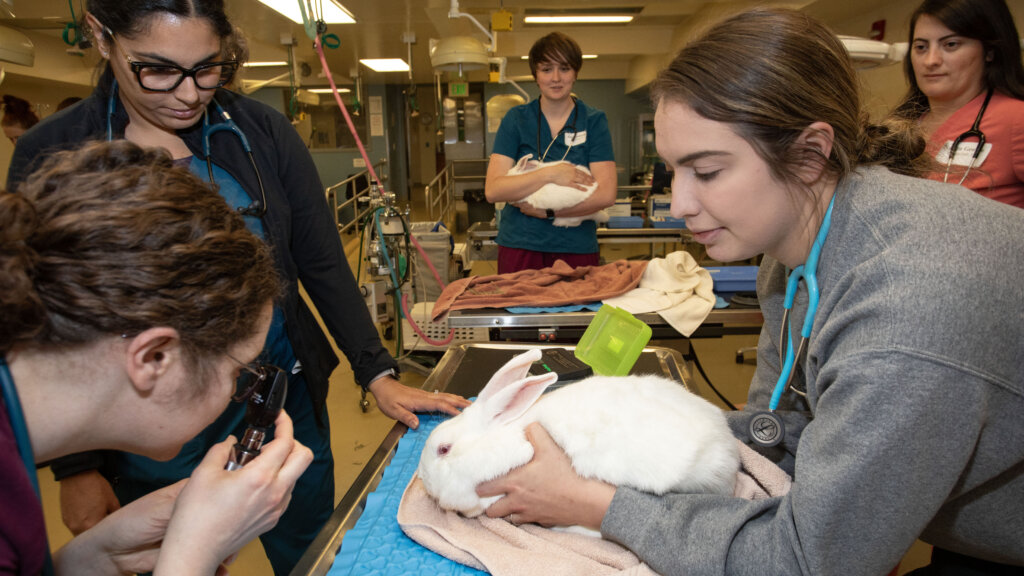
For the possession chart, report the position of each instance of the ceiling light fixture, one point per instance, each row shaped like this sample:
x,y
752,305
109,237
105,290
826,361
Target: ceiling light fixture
x,y
334,12
385,64
327,90
265,64
585,57
582,19
581,16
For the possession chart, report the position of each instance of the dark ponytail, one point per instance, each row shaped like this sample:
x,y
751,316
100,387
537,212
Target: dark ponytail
x,y
130,18
895,143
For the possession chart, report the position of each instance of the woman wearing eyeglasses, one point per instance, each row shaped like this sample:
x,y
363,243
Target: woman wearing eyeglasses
x,y
166,63
556,126
111,336
967,84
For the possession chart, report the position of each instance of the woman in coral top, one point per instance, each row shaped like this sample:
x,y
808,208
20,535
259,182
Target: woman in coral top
x,y
967,84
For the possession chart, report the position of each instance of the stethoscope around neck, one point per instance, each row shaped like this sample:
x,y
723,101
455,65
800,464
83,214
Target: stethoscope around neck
x,y
766,428
974,132
258,207
540,115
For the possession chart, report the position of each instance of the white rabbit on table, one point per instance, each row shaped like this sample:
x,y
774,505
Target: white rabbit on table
x,y
644,432
555,196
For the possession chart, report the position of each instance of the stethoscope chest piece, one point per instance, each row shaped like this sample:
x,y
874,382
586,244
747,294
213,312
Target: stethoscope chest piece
x,y
766,429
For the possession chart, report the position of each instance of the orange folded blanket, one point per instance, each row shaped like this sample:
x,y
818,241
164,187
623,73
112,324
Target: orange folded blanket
x,y
557,285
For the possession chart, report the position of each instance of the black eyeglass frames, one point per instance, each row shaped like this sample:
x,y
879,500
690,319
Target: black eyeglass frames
x,y
253,376
166,77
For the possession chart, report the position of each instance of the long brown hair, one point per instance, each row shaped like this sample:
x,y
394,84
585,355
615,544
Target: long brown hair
x,y
113,239
771,73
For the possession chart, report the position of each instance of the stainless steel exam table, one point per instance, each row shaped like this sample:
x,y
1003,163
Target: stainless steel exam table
x,y
551,326
481,245
462,370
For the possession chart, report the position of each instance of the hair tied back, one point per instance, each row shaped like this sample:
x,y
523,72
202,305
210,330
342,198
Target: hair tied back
x,y
21,308
18,219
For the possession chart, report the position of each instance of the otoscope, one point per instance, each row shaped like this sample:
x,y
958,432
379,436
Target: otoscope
x,y
261,412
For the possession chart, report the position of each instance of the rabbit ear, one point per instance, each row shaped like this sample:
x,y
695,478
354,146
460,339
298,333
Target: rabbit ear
x,y
510,403
513,371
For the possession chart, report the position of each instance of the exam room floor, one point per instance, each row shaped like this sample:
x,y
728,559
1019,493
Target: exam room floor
x,y
355,435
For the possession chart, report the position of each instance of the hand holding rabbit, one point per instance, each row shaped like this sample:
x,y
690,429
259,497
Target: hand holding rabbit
x,y
547,490
568,185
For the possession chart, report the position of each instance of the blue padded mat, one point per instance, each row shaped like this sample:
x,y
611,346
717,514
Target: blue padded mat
x,y
376,545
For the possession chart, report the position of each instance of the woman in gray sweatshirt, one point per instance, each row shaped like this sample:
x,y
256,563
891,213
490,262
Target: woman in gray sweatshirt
x,y
904,416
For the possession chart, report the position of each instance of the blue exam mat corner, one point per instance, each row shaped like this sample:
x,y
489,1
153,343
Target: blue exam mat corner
x,y
625,222
729,279
376,545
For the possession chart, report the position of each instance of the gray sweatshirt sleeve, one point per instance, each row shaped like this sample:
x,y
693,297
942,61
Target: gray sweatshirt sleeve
x,y
861,494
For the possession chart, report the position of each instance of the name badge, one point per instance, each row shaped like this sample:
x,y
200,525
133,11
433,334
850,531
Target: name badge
x,y
964,154
575,138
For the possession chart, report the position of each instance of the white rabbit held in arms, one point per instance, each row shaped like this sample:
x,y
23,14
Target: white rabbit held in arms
x,y
555,196
643,432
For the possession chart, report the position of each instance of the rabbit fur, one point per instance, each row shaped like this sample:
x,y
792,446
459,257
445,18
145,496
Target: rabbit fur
x,y
643,432
555,196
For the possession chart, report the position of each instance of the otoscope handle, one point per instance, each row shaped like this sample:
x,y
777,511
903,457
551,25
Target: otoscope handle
x,y
243,452
263,408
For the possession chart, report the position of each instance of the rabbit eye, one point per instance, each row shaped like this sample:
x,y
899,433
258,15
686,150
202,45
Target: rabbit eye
x,y
443,449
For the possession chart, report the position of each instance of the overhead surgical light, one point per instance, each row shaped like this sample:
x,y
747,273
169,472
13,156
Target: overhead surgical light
x,y
334,12
458,54
16,47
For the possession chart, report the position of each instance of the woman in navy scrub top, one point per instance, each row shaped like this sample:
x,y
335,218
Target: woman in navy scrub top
x,y
556,126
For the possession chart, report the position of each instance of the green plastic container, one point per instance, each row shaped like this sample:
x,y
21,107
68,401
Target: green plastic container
x,y
613,341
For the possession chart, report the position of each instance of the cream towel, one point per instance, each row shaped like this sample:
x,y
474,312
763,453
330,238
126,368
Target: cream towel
x,y
503,549
675,287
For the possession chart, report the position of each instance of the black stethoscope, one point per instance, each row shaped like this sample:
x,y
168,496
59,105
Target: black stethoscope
x,y
258,207
572,128
974,132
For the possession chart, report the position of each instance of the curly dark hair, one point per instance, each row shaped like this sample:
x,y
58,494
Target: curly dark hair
x,y
114,239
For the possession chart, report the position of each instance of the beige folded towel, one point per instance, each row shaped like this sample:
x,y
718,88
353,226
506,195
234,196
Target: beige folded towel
x,y
675,287
503,549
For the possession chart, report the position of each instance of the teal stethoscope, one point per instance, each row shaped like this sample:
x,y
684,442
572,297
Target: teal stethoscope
x,y
766,428
258,207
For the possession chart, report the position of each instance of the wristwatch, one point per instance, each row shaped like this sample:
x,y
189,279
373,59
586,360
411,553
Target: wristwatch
x,y
550,213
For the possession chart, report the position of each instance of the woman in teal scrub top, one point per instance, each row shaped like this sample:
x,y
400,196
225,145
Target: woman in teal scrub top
x,y
556,126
